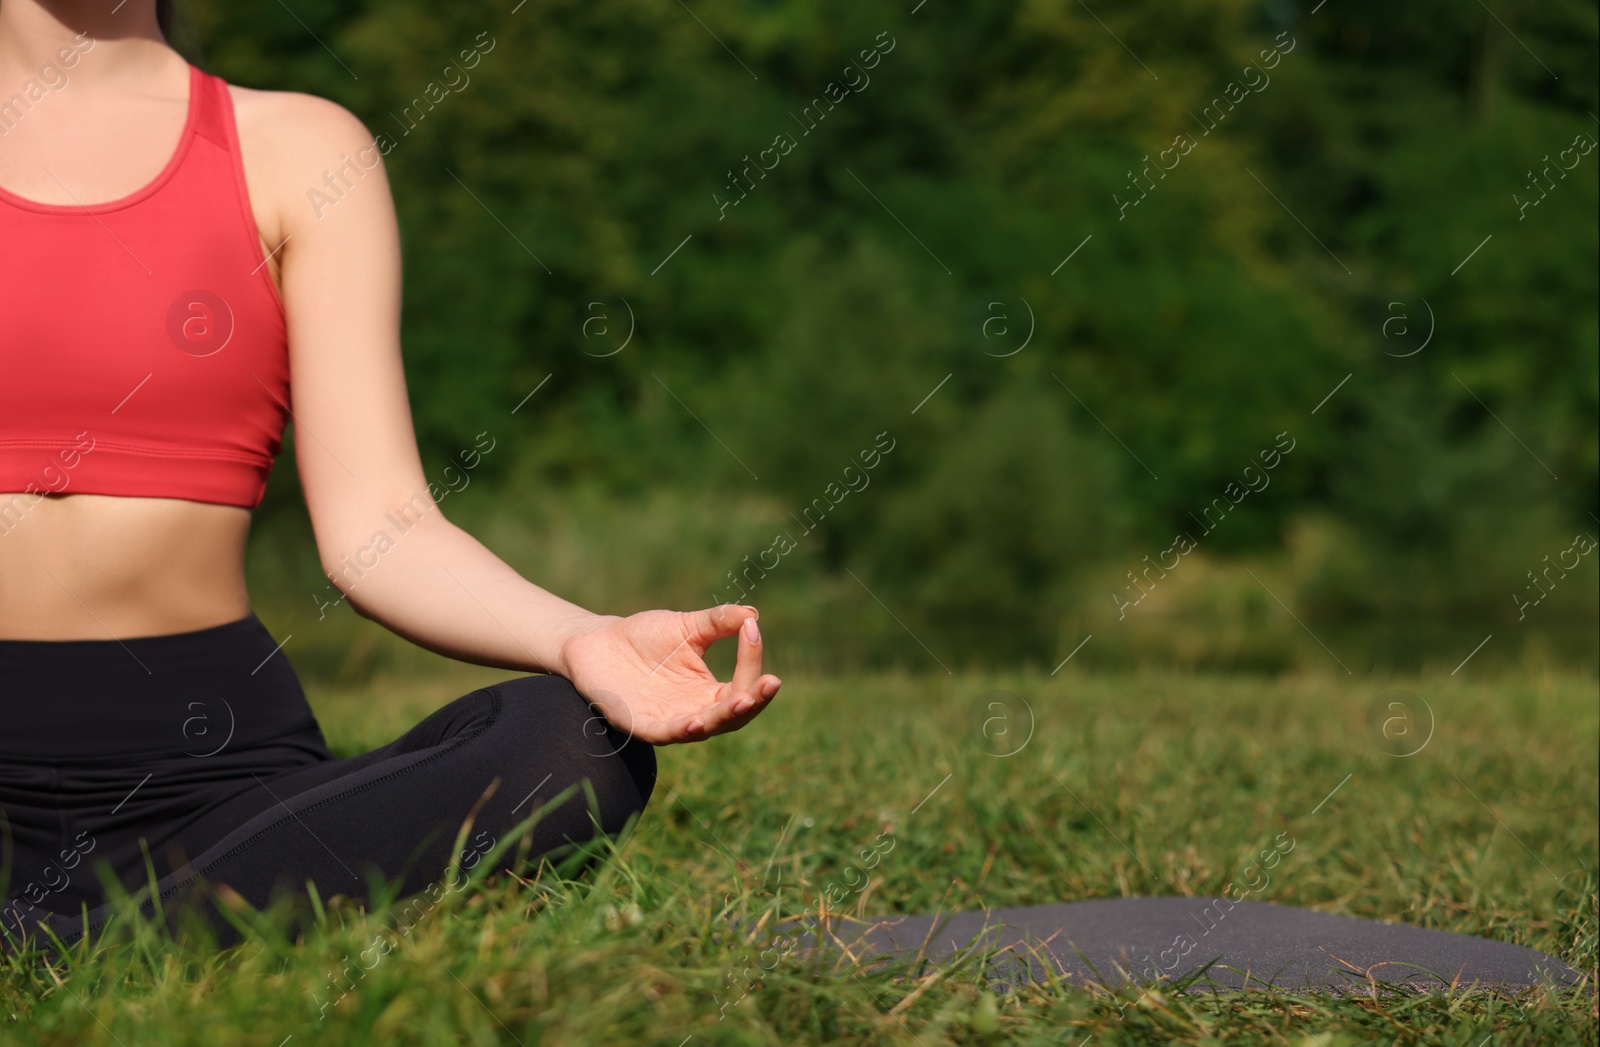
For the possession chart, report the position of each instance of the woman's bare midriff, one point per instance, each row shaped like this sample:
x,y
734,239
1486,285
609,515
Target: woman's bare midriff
x,y
89,566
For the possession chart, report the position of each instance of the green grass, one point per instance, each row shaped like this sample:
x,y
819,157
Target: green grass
x,y
1193,774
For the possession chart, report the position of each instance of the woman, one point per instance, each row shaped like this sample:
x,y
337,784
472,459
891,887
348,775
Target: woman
x,y
166,294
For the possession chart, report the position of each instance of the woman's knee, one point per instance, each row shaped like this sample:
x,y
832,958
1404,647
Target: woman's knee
x,y
566,738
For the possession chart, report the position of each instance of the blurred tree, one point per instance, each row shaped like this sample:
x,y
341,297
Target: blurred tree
x,y
952,174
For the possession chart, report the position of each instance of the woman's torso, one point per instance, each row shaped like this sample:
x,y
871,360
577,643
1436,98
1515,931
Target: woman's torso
x,y
87,566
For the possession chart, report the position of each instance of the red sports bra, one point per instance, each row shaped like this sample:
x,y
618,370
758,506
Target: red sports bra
x,y
143,348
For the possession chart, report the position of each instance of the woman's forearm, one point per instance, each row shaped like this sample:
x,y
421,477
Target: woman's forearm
x,y
424,578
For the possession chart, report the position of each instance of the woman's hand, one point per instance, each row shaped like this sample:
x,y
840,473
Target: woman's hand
x,y
647,673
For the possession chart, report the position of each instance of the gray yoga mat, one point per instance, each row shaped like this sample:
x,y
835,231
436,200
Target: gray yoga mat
x,y
1113,942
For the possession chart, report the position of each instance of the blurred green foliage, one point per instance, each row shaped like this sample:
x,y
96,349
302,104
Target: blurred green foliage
x,y
919,231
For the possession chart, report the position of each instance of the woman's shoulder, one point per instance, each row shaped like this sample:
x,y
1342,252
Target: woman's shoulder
x,y
292,144
296,122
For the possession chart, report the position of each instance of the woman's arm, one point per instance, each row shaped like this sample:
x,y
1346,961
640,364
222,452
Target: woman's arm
x,y
381,538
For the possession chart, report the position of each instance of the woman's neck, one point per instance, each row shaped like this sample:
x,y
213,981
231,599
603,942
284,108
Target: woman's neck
x,y
128,45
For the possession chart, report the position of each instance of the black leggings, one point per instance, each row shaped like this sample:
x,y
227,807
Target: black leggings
x,y
195,757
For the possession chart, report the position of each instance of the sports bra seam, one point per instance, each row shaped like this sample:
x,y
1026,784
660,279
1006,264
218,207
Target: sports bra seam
x,y
230,130
142,449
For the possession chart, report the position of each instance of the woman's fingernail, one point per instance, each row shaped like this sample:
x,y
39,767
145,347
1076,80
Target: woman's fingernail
x,y
743,705
771,688
752,632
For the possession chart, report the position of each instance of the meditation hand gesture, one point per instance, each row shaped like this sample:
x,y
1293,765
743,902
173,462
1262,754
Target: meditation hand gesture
x,y
647,673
